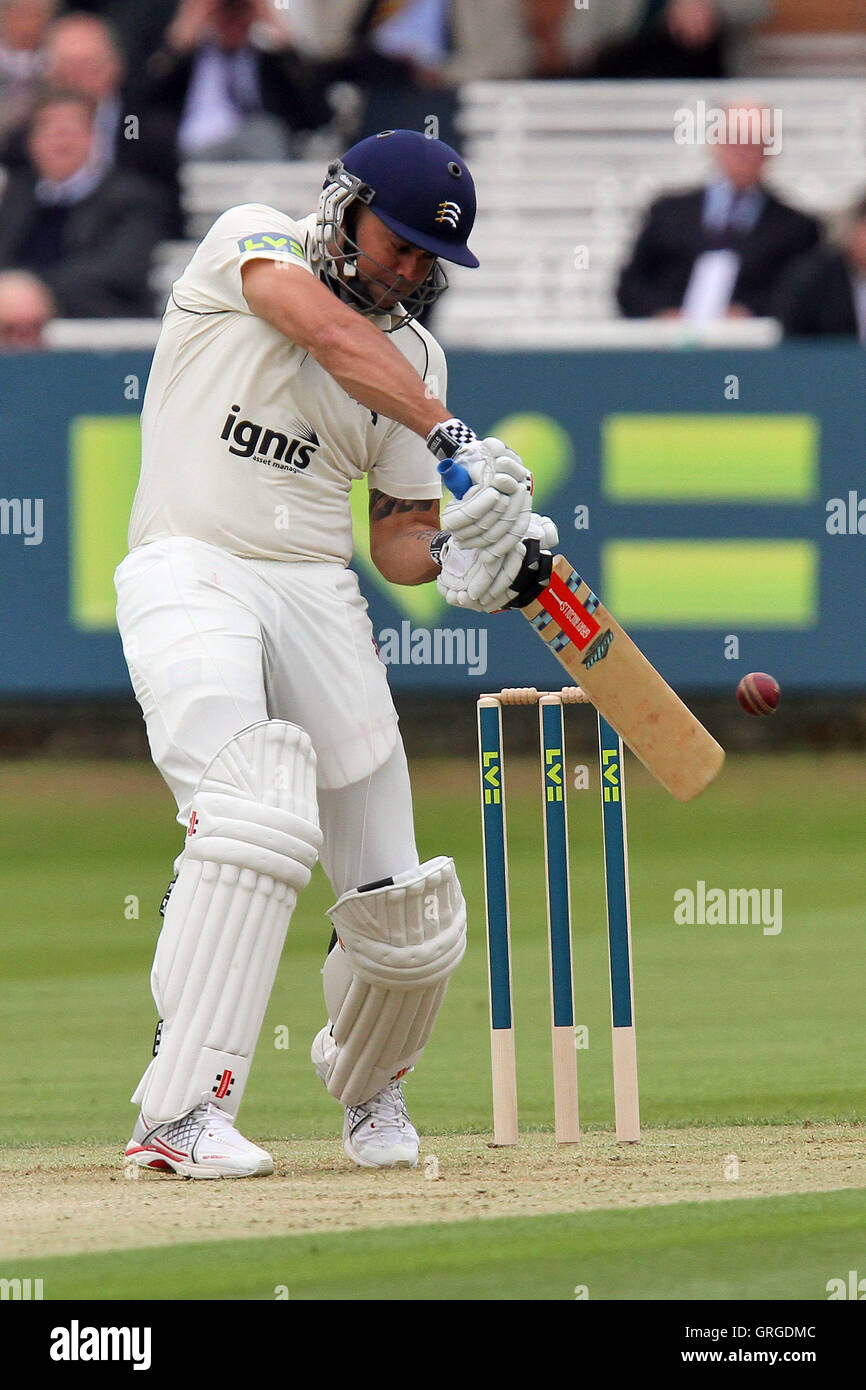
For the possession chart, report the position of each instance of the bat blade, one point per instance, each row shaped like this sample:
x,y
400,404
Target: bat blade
x,y
623,685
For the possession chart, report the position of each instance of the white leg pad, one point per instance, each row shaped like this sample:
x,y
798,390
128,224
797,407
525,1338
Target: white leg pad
x,y
386,979
252,843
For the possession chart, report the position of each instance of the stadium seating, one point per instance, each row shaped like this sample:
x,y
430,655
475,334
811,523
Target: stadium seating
x,y
565,171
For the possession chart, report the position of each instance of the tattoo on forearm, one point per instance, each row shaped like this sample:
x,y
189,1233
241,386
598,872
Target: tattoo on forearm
x,y
381,505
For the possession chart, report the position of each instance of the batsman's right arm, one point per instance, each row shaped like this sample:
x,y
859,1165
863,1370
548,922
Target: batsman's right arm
x,y
352,350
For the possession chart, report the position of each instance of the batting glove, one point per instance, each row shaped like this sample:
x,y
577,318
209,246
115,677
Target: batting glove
x,y
494,512
466,581
493,515
476,580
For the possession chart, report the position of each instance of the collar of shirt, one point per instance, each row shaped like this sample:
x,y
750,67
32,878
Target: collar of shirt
x,y
66,192
727,208
20,63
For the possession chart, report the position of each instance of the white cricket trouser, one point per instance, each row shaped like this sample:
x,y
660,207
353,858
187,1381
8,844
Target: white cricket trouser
x,y
215,642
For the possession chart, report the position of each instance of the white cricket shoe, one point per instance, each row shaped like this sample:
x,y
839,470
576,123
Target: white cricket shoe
x,y
377,1133
201,1144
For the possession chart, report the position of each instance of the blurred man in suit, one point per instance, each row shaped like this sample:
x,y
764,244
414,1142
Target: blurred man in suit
x,y
666,38
232,82
718,251
22,30
83,55
824,292
87,234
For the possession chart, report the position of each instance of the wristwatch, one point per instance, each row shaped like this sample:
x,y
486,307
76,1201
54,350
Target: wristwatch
x,y
437,545
445,439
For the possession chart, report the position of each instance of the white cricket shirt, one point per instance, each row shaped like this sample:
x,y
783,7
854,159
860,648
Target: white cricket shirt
x,y
247,443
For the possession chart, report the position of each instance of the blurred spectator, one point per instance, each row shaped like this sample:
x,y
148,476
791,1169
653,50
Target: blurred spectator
x,y
441,43
399,49
718,251
138,24
82,55
26,306
232,82
86,233
547,22
22,29
824,292
453,41
658,38
437,42
408,56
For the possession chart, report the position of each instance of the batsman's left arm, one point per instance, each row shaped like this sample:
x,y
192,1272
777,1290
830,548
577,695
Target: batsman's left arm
x,y
401,530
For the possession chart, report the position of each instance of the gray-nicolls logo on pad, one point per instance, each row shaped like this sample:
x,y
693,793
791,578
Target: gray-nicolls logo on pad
x,y
290,449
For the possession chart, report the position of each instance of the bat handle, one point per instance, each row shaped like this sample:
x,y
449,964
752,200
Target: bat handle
x,y
455,478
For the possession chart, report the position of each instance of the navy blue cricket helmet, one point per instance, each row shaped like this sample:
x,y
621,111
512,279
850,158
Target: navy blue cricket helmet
x,y
419,187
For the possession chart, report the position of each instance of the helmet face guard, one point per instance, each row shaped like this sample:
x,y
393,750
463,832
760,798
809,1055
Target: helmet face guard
x,y
337,252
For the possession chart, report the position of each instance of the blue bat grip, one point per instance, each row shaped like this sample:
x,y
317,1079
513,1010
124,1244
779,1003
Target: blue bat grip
x,y
455,478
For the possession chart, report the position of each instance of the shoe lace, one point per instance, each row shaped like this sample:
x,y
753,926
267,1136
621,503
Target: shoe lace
x,y
182,1131
388,1106
215,1118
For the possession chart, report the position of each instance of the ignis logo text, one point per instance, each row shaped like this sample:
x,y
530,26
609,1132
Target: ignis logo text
x,y
290,450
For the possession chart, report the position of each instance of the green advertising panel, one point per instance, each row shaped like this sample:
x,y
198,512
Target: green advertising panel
x,y
689,514
708,584
104,461
709,458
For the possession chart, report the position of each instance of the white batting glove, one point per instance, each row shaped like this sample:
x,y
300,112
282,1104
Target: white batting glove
x,y
476,580
467,581
543,530
492,579
480,458
493,515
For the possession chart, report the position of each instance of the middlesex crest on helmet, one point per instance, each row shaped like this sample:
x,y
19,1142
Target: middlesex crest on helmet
x,y
449,212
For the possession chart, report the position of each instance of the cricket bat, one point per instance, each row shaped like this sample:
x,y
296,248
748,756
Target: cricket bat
x,y
624,687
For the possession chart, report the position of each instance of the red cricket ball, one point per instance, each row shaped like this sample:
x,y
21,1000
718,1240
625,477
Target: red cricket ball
x,y
758,693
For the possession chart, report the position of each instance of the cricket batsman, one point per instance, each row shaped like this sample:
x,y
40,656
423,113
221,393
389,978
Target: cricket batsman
x,y
290,364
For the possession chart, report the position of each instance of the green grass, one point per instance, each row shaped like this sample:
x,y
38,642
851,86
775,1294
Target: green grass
x,y
771,1248
733,1026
